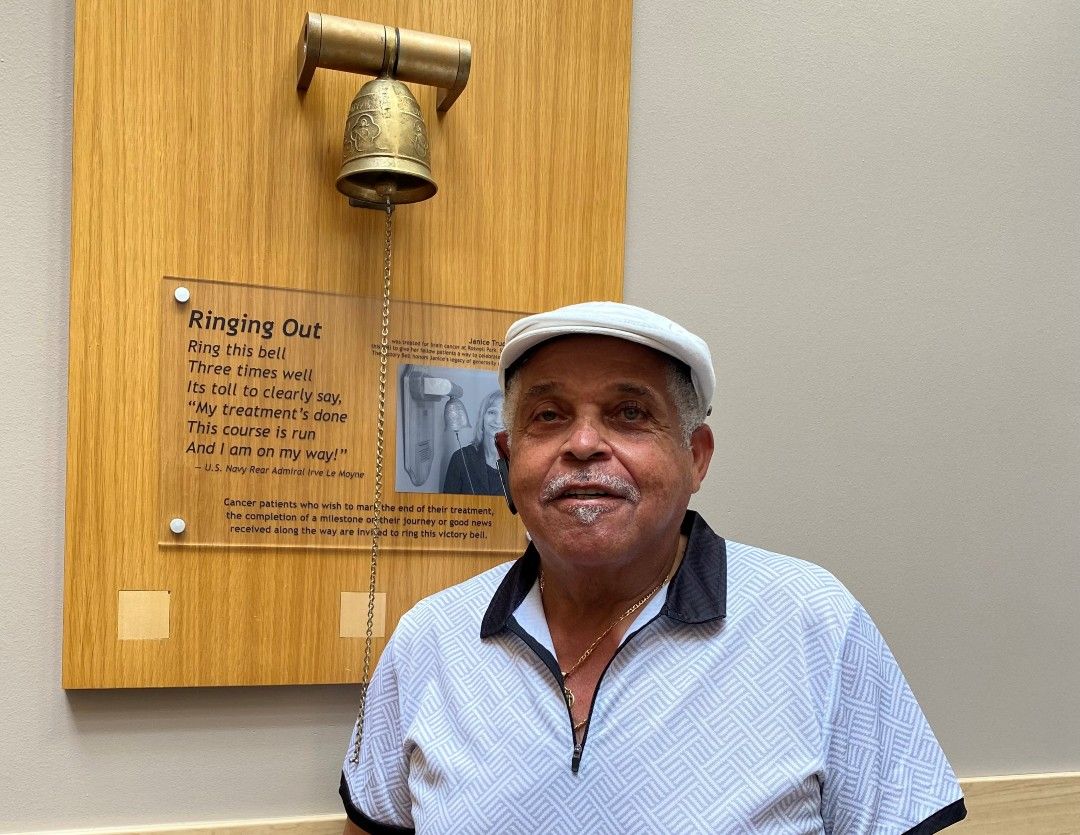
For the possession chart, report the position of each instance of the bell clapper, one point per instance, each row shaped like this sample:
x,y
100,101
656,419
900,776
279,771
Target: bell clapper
x,y
386,190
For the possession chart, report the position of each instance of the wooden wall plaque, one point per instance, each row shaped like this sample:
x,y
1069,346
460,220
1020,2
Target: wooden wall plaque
x,y
195,157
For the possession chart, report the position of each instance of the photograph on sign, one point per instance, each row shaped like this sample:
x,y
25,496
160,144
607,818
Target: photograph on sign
x,y
447,419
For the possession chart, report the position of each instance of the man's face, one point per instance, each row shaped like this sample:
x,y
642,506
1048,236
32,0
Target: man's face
x,y
598,467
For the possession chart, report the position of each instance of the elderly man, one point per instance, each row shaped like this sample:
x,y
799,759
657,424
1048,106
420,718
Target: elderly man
x,y
633,672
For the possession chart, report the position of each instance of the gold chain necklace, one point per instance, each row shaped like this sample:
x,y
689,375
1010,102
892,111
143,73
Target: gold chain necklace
x,y
568,694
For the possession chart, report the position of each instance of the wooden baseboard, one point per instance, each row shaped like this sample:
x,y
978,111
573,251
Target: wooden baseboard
x,y
1024,804
312,825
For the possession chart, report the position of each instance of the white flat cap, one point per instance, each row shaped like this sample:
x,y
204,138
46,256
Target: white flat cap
x,y
622,321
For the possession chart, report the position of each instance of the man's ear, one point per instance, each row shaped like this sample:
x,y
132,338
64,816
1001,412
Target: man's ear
x,y
702,444
502,444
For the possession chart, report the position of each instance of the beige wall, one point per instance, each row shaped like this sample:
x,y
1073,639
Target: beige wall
x,y
871,212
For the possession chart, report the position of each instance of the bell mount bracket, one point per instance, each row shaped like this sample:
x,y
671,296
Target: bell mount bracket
x,y
356,46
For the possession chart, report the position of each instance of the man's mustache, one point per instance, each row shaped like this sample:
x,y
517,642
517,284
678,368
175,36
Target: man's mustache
x,y
613,484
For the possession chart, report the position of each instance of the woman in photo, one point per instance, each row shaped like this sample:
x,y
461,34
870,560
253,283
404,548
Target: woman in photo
x,y
472,469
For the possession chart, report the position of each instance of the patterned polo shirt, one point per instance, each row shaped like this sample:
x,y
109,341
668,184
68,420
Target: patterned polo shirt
x,y
753,694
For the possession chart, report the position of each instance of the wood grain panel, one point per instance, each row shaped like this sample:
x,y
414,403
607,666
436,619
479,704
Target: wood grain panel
x,y
193,155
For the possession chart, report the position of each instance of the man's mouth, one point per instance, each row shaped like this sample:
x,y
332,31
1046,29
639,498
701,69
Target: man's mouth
x,y
589,485
583,494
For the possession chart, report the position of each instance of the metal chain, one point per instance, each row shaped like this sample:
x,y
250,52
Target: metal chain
x,y
380,439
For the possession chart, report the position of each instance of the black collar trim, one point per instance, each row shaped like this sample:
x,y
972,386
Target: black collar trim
x,y
698,591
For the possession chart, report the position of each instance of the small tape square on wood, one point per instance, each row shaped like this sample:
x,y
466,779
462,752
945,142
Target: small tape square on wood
x,y
354,606
142,615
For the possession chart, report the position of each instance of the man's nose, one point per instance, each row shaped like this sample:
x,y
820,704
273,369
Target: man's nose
x,y
586,440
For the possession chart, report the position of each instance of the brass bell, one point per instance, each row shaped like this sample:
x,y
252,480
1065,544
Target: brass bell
x,y
386,155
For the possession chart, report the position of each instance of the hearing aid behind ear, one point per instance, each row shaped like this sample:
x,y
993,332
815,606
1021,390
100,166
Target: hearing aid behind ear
x,y
504,477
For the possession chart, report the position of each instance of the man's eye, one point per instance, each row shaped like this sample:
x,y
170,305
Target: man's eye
x,y
547,415
631,412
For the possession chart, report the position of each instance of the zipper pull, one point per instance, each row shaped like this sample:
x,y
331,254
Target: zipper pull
x,y
575,763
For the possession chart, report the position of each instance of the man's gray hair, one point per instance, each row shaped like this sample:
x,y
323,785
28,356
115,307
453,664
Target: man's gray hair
x,y
680,388
687,404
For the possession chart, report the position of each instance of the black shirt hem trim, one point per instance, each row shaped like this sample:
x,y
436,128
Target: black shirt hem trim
x,y
953,813
363,821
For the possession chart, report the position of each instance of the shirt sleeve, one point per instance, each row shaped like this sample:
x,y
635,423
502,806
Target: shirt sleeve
x,y
375,785
885,772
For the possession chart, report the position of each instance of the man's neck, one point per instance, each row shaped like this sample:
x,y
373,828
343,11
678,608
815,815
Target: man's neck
x,y
583,598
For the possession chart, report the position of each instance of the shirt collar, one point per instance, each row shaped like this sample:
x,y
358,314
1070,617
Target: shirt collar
x,y
697,594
